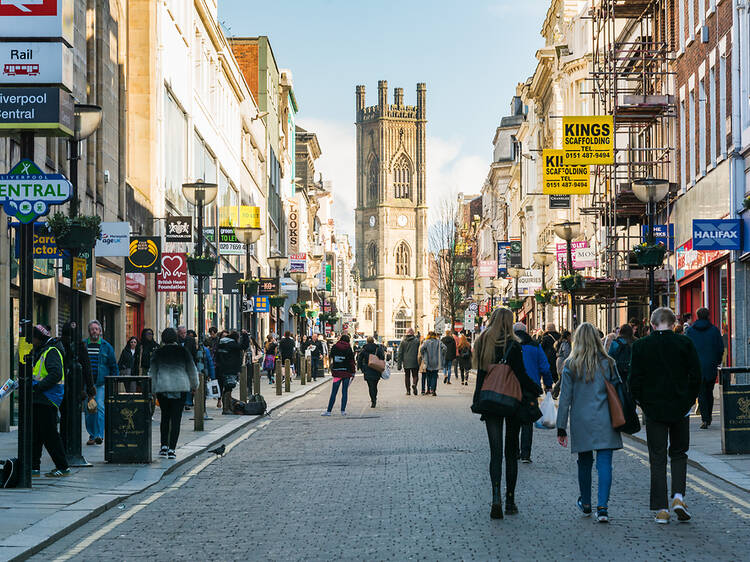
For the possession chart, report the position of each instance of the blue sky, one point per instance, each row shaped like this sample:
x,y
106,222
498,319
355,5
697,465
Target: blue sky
x,y
471,54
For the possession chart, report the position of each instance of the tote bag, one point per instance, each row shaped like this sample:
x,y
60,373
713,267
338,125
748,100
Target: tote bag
x,y
500,394
622,412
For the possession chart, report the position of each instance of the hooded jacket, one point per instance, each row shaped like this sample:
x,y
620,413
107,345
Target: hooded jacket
x,y
450,347
408,351
363,358
228,357
173,369
710,347
342,360
432,353
534,360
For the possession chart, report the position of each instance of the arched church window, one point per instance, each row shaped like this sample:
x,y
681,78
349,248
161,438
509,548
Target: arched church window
x,y
402,259
372,260
372,181
368,313
402,179
402,323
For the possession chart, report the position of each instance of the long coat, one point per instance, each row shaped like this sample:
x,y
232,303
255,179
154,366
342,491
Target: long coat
x,y
586,404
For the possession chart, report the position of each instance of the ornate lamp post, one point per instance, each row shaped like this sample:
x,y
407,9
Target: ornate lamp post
x,y
298,277
544,259
567,231
248,236
516,273
491,291
278,261
650,191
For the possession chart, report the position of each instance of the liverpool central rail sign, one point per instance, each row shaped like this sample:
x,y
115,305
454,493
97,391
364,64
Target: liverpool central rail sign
x,y
27,193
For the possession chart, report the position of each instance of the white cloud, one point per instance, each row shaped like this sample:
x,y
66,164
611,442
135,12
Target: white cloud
x,y
449,171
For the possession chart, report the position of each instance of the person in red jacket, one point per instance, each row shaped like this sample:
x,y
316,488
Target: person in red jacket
x,y
343,369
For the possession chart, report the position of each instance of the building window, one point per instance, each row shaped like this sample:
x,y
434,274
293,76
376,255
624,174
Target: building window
x,y
368,313
691,133
372,260
712,112
402,179
683,142
681,29
402,259
372,181
702,126
402,323
723,104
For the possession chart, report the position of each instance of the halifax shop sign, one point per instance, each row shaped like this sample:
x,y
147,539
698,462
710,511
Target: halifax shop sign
x,y
717,234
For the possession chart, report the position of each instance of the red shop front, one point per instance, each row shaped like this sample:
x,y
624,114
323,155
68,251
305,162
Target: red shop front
x,y
704,280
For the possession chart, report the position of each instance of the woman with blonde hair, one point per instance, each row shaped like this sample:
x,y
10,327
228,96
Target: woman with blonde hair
x,y
583,397
499,344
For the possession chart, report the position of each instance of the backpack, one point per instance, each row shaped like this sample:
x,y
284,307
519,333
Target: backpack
x,y
10,475
255,406
622,354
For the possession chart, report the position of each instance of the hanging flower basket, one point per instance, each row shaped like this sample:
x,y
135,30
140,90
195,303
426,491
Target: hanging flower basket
x,y
312,313
251,286
74,234
515,304
543,296
277,300
201,265
572,282
298,308
649,255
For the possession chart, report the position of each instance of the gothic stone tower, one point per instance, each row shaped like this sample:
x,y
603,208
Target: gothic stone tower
x,y
391,213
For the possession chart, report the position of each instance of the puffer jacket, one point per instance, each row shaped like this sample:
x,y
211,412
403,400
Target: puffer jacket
x,y
432,353
172,369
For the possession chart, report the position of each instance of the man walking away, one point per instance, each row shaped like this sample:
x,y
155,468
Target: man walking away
x,y
286,349
537,368
103,364
48,387
710,347
621,350
407,359
450,355
549,339
664,380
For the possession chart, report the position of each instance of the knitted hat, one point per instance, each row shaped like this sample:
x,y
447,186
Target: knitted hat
x,y
40,332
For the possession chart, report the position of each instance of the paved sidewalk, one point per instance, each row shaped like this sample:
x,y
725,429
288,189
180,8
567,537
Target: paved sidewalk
x,y
53,507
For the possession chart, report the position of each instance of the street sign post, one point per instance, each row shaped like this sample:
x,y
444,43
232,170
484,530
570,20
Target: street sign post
x,y
37,18
48,110
42,63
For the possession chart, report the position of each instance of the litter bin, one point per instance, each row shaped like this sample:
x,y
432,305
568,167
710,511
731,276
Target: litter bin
x,y
127,419
735,410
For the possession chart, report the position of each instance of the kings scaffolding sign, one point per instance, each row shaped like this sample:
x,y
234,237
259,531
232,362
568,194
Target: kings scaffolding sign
x,y
588,140
27,193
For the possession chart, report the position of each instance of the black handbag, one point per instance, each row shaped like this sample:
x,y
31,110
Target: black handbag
x,y
529,410
632,422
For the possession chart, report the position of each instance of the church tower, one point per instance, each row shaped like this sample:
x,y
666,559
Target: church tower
x,y
391,213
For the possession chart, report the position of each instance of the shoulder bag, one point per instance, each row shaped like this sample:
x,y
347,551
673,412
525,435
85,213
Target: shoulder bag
x,y
375,363
622,412
500,394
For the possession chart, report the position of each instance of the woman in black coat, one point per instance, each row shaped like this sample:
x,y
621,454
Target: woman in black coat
x,y
127,357
371,375
229,355
143,352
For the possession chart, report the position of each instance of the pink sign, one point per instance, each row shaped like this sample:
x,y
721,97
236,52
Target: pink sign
x,y
487,268
583,256
136,283
689,260
173,275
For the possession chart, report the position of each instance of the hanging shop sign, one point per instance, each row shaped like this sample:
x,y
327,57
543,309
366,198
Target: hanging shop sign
x,y
45,247
136,283
588,139
514,254
268,286
717,234
249,216
663,233
78,279
261,304
46,110
228,243
487,268
37,18
85,254
35,63
298,263
562,178
115,240
174,273
292,226
328,277
179,229
583,256
502,259
690,260
229,285
143,255
559,201
27,193
530,281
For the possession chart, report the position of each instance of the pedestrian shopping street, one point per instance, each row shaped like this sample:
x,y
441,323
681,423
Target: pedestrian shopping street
x,y
406,480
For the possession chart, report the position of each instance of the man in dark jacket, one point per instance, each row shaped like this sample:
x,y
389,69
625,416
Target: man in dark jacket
x,y
710,346
550,337
407,359
449,361
316,354
286,348
665,377
537,367
229,354
48,390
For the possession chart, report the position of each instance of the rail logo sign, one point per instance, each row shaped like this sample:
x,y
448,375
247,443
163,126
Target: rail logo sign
x,y
28,7
27,193
717,234
589,140
561,177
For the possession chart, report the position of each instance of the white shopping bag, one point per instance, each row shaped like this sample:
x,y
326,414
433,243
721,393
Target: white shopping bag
x,y
549,412
386,374
212,389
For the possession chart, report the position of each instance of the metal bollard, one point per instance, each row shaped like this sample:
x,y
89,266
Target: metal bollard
x,y
198,403
243,383
302,371
287,376
278,378
256,378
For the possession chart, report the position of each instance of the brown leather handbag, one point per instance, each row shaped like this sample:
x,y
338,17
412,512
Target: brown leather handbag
x,y
500,394
616,415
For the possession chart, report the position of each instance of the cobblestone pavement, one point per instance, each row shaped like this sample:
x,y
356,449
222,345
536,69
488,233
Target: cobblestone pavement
x,y
405,481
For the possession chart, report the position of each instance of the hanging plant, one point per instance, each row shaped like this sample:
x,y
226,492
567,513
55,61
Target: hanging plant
x,y
543,296
251,285
312,313
649,255
201,265
298,308
277,300
77,233
515,304
572,282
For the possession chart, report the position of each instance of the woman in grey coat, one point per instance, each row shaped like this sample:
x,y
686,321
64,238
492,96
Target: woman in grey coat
x,y
173,375
431,354
583,397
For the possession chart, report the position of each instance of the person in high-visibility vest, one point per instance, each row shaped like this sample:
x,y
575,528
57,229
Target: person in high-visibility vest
x,y
49,388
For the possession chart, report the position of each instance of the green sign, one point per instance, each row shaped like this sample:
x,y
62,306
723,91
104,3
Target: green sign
x,y
328,277
27,193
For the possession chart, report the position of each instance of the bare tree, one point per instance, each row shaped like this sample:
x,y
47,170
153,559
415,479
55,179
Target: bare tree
x,y
446,267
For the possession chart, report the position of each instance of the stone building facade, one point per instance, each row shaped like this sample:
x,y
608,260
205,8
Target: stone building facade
x,y
391,212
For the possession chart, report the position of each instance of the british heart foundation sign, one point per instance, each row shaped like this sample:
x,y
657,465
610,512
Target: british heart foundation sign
x,y
174,273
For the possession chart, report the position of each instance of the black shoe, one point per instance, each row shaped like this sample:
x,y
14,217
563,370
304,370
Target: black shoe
x,y
525,460
510,504
704,425
373,404
496,512
445,380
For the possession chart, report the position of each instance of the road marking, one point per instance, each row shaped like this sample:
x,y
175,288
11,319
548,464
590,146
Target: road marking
x,y
700,485
117,521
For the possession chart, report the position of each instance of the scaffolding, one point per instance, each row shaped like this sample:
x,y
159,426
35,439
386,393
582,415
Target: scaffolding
x,y
631,80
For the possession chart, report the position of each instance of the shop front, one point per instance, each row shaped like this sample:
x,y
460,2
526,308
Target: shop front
x,y
108,303
135,295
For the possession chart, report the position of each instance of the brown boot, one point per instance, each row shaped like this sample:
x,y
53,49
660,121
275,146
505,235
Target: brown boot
x,y
226,403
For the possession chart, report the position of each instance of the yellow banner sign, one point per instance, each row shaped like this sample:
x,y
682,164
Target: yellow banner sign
x,y
589,140
78,277
561,177
249,217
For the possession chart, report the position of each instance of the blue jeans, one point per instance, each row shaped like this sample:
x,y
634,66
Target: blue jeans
x,y
447,368
603,469
95,422
432,380
344,384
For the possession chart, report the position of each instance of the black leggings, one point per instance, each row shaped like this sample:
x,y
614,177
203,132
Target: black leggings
x,y
372,386
495,433
171,415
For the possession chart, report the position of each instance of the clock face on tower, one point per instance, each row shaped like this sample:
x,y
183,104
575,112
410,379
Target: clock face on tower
x,y
372,222
402,220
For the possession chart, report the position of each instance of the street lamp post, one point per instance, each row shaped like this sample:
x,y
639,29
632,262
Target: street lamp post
x,y
298,277
544,259
650,190
516,273
248,236
491,291
278,261
567,231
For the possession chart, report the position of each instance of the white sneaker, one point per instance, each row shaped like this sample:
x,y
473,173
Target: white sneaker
x,y
343,412
679,509
326,413
163,451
